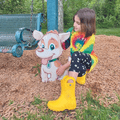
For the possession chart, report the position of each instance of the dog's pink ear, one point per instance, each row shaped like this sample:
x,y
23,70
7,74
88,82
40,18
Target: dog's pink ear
x,y
37,34
64,36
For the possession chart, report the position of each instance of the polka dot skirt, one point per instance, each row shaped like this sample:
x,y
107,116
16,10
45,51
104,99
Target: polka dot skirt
x,y
80,62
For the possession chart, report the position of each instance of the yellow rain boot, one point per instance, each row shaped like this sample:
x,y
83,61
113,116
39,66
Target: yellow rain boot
x,y
81,80
67,99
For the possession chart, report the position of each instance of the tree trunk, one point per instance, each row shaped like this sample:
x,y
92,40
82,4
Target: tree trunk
x,y
60,16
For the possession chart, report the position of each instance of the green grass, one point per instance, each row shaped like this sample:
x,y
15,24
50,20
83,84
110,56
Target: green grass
x,y
111,31
93,111
11,102
36,101
96,111
108,32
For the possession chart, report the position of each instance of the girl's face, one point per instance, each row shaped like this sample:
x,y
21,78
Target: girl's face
x,y
77,24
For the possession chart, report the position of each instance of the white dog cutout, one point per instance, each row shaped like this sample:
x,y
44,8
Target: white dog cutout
x,y
49,50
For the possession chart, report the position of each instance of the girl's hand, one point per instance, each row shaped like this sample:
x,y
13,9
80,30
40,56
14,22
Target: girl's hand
x,y
60,70
51,31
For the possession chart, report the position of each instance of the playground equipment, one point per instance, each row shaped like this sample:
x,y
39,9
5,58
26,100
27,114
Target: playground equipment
x,y
55,15
16,41
16,30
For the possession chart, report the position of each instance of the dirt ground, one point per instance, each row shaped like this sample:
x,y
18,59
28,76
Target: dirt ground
x,y
19,84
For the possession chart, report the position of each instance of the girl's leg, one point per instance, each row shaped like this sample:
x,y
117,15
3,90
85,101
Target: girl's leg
x,y
72,74
80,62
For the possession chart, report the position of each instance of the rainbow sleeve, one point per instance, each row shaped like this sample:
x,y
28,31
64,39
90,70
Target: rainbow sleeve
x,y
88,48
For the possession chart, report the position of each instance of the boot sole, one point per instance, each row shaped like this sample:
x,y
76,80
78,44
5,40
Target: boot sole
x,y
58,110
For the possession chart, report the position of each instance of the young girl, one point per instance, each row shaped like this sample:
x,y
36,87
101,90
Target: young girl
x,y
83,58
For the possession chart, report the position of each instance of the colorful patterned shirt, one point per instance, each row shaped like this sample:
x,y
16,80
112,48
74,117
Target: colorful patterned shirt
x,y
78,42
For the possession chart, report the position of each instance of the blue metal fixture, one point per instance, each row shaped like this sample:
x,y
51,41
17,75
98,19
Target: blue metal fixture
x,y
22,39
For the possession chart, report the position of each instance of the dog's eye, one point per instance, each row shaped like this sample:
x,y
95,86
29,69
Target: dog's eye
x,y
43,46
52,46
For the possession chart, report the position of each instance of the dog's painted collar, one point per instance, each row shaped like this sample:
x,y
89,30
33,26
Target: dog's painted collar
x,y
49,65
53,60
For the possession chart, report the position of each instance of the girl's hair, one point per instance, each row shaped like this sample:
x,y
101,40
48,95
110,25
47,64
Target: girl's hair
x,y
88,21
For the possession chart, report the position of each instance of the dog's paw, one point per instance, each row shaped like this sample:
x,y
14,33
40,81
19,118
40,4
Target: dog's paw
x,y
52,79
44,80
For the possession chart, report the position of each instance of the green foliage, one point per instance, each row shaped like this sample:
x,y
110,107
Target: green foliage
x,y
38,69
106,22
12,6
108,8
107,15
70,7
107,11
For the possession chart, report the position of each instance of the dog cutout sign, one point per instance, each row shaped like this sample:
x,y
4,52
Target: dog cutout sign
x,y
49,49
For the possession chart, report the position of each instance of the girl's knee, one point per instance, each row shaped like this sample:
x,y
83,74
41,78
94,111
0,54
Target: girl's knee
x,y
75,54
